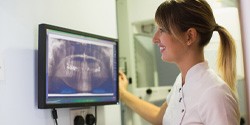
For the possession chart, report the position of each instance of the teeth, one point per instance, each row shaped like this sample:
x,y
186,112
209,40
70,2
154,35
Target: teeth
x,y
162,48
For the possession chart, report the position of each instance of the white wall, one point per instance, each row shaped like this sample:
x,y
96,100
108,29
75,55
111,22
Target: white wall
x,y
18,50
245,19
140,10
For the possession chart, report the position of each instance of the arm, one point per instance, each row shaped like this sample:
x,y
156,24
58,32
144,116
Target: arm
x,y
146,110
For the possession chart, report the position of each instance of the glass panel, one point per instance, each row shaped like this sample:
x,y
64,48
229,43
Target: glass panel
x,y
151,71
145,63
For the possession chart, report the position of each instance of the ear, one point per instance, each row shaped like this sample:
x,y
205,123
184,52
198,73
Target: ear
x,y
191,36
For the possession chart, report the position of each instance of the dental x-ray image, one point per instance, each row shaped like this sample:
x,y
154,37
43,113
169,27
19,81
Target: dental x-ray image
x,y
76,68
79,67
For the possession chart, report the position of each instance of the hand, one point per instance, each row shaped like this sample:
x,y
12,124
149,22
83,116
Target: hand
x,y
123,83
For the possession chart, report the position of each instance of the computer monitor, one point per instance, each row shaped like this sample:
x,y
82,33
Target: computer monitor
x,y
76,69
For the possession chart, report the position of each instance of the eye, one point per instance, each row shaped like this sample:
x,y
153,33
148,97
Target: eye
x,y
163,30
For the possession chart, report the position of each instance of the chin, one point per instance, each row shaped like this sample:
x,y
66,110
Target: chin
x,y
167,59
164,59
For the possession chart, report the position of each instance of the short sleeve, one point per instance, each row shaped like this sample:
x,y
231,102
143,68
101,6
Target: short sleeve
x,y
219,106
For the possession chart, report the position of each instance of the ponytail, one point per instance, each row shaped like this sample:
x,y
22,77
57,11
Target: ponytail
x,y
226,60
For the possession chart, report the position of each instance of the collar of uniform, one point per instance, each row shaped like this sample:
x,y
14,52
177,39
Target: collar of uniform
x,y
195,71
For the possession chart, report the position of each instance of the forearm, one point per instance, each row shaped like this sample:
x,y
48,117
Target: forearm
x,y
145,109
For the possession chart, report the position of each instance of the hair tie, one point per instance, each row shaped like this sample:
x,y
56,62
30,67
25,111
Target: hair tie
x,y
216,27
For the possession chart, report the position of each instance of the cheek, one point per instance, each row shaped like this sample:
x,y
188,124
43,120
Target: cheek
x,y
173,52
168,55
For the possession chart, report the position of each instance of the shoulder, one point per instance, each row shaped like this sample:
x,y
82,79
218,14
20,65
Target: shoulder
x,y
219,93
215,89
218,105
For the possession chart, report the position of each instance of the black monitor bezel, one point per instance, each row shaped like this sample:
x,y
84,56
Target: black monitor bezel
x,y
42,56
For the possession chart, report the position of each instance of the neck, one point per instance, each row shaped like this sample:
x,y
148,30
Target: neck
x,y
189,61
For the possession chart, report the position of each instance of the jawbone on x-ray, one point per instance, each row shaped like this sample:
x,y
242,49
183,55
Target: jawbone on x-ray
x,y
81,66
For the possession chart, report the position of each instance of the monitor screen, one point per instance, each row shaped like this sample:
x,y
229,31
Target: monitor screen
x,y
76,68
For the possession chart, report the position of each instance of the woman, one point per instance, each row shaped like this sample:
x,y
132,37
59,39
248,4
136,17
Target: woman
x,y
199,96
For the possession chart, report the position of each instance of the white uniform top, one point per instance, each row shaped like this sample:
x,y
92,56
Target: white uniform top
x,y
204,99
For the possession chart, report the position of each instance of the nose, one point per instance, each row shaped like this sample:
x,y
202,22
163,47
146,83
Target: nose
x,y
155,39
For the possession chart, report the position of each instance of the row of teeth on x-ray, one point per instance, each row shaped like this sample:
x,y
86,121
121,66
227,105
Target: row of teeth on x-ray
x,y
79,65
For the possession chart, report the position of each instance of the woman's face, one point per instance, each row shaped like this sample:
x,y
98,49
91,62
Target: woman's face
x,y
172,49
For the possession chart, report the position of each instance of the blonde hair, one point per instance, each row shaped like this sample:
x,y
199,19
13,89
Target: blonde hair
x,y
226,60
178,16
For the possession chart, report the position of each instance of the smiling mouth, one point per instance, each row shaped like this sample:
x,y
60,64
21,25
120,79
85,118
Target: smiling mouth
x,y
162,49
